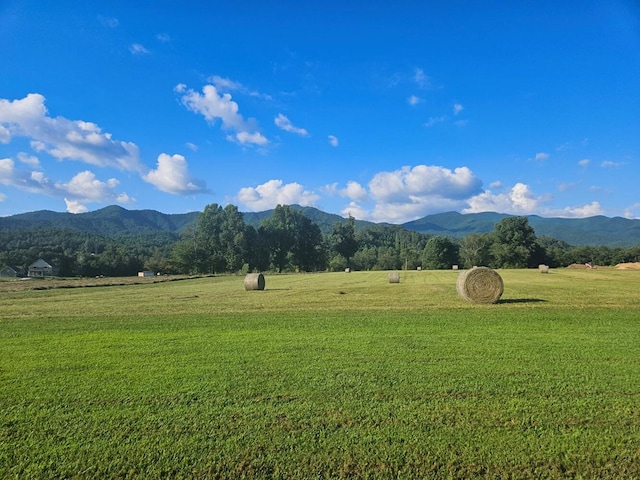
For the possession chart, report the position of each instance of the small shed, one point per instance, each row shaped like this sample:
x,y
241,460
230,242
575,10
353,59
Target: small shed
x,y
146,273
40,268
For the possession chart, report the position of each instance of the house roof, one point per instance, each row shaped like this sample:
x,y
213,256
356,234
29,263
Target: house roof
x,y
40,263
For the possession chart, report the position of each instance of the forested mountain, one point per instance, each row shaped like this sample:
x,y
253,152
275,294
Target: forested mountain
x,y
108,221
592,231
117,221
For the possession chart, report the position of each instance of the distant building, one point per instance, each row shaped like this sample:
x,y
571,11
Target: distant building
x,y
8,272
146,274
40,269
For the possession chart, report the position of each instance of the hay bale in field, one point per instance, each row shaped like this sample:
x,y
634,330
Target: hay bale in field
x,y
254,281
543,268
480,285
394,277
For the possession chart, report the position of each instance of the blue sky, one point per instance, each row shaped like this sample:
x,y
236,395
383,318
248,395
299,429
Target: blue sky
x,y
388,111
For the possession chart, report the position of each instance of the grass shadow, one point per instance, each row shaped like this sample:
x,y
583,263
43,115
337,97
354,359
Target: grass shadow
x,y
521,300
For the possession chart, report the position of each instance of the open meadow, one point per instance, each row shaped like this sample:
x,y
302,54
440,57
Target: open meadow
x,y
327,375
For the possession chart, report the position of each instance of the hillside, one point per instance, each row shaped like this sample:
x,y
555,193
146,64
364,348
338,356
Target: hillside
x,y
117,221
593,231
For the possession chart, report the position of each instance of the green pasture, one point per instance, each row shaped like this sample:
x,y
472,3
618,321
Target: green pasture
x,y
327,375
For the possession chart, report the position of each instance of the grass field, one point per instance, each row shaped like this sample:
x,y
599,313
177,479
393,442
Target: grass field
x,y
327,375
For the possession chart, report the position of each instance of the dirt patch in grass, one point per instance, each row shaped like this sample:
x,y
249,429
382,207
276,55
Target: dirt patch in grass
x,y
628,266
24,284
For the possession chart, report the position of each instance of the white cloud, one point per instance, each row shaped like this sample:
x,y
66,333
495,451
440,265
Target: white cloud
x,y
163,37
520,200
82,188
610,164
66,139
457,108
414,100
227,85
354,191
542,156
244,138
74,206
192,146
434,121
273,193
588,210
5,134
285,124
410,193
496,184
29,160
138,49
333,140
214,106
172,176
584,162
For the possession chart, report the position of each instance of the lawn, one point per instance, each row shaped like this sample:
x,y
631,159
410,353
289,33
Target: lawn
x,y
326,375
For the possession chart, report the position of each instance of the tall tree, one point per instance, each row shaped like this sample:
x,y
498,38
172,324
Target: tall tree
x,y
514,243
475,250
343,238
439,253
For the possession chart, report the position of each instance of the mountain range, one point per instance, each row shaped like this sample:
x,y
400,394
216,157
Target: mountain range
x,y
115,221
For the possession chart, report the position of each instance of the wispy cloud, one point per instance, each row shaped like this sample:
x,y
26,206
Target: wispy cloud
x,y
542,156
457,108
333,140
435,121
285,124
109,22
138,49
610,164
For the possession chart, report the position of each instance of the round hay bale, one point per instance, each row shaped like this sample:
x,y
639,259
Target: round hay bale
x,y
480,285
254,281
543,268
394,277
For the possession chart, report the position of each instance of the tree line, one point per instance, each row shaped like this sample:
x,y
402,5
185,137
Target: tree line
x,y
288,241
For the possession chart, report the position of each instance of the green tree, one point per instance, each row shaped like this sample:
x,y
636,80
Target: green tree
x,y
475,250
439,253
343,238
514,243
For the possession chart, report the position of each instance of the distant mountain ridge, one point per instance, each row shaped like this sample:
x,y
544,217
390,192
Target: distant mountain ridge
x,y
115,220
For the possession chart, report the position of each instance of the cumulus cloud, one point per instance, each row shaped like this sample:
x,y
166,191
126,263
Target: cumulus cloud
x,y
172,176
214,106
65,139
333,140
285,124
420,78
83,188
74,206
410,193
519,200
588,210
457,108
273,193
584,162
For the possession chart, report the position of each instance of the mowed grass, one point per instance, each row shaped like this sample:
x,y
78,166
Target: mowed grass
x,y
327,375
